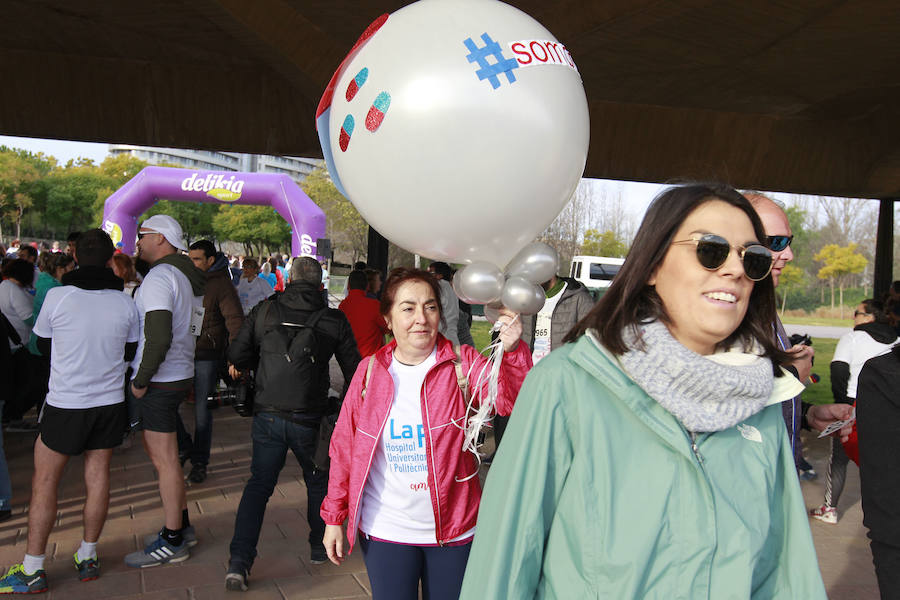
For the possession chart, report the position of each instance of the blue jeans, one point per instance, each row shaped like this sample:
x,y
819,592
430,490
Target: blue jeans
x,y
5,485
206,373
395,570
272,437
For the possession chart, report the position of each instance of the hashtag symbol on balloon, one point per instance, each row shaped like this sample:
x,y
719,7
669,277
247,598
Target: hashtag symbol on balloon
x,y
489,71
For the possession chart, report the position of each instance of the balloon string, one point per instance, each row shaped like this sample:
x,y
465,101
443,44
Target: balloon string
x,y
480,408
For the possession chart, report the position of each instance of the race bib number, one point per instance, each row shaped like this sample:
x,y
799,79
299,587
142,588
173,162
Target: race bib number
x,y
197,320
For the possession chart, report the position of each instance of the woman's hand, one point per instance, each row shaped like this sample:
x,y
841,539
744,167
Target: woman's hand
x,y
334,543
510,330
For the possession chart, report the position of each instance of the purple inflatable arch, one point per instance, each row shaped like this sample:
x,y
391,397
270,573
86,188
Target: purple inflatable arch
x,y
122,209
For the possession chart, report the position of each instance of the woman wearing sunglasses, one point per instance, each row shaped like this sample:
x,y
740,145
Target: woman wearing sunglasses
x,y
648,458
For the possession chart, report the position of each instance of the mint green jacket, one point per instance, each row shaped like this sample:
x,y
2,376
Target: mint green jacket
x,y
597,492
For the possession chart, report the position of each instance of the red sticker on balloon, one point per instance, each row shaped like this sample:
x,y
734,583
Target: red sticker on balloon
x,y
376,112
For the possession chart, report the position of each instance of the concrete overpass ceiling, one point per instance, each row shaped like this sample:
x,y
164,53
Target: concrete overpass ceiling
x,y
793,95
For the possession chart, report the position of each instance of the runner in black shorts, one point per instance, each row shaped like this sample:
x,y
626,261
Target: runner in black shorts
x,y
72,431
89,329
157,410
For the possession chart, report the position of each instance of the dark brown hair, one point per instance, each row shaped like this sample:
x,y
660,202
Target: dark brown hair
x,y
401,275
630,301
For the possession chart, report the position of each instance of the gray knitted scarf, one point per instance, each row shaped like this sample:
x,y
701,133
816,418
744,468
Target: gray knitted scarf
x,y
705,395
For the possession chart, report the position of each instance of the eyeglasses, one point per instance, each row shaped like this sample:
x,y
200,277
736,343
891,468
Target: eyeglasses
x,y
777,243
713,251
860,313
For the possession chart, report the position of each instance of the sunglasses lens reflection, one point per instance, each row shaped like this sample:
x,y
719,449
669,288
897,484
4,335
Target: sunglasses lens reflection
x,y
713,250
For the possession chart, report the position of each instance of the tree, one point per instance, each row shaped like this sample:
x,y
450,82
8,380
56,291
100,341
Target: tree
x,y
840,262
72,196
603,244
257,226
196,218
348,231
21,173
792,278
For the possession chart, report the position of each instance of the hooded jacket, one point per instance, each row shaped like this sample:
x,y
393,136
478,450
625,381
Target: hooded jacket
x,y
333,335
851,353
455,495
598,492
223,314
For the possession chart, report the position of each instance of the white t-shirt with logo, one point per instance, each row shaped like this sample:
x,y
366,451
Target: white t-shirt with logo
x,y
167,288
396,503
542,326
89,329
253,292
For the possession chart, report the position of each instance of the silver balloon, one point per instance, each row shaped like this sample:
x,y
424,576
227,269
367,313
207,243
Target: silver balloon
x,y
522,296
481,281
458,291
537,262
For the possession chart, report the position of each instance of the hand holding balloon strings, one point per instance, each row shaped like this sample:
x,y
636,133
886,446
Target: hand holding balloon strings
x,y
480,408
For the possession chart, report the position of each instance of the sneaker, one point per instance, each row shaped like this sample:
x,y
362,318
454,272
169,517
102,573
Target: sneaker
x,y
808,475
825,513
188,536
197,474
88,569
318,556
158,553
17,582
236,579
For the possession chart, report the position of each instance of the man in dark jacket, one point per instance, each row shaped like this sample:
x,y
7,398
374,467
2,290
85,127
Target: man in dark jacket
x,y
878,426
291,398
222,320
568,301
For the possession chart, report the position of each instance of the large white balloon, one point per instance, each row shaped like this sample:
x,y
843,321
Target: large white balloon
x,y
459,129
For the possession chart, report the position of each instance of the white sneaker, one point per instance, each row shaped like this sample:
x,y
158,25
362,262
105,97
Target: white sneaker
x,y
825,513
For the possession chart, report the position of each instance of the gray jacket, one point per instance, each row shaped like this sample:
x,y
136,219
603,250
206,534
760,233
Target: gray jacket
x,y
575,303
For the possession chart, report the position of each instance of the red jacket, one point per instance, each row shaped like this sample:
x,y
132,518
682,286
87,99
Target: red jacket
x,y
360,425
365,320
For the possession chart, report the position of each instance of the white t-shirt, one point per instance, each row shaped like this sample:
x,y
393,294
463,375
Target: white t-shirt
x,y
253,292
396,503
17,305
855,348
89,329
542,326
167,288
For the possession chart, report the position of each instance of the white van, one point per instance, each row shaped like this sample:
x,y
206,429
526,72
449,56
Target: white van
x,y
595,272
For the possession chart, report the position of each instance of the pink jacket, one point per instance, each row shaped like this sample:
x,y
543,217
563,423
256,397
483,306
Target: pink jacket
x,y
360,425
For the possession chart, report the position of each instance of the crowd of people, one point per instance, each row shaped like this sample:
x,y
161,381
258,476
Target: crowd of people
x,y
651,450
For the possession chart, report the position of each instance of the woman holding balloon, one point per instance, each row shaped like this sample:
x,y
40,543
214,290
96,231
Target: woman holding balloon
x,y
648,457
399,475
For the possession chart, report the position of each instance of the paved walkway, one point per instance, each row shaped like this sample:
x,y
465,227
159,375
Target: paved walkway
x,y
282,569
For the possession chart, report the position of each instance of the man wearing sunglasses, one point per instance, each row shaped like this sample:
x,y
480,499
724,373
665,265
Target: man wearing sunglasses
x,y
170,305
778,239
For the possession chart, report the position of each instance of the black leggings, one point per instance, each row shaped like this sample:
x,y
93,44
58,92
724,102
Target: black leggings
x,y
396,569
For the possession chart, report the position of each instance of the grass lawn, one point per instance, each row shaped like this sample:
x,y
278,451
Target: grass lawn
x,y
816,393
819,393
826,321
481,333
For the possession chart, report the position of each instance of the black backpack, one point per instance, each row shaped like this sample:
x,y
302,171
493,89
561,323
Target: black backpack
x,y
288,376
